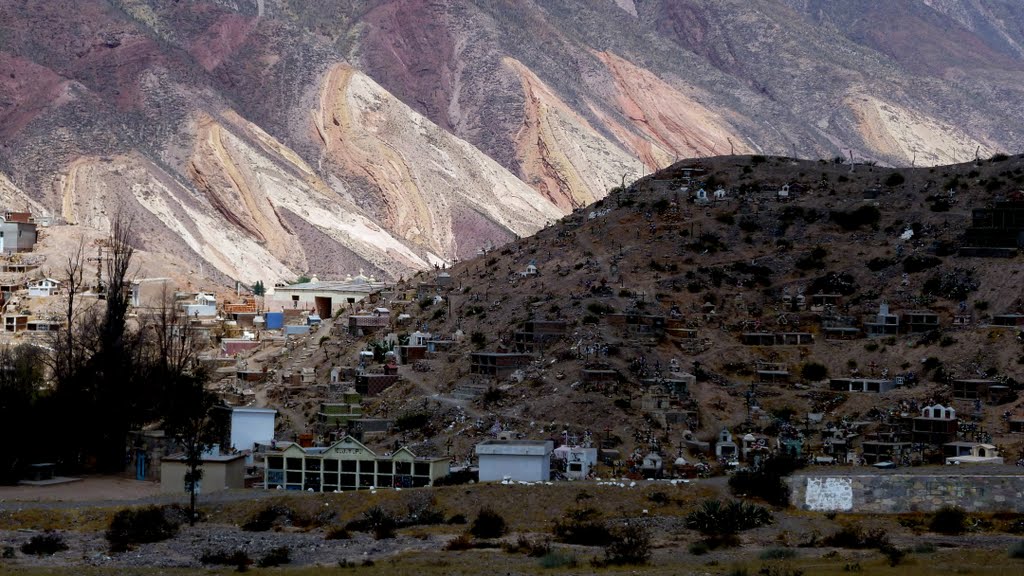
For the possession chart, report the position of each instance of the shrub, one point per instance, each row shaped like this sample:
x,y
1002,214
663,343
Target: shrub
x,y
917,263
630,545
766,482
460,542
814,372
582,527
139,526
855,219
778,554
1017,551
379,521
456,478
267,517
237,558
895,179
457,519
338,533
699,548
532,548
276,557
878,264
558,560
46,544
854,537
716,519
478,339
412,421
948,520
488,524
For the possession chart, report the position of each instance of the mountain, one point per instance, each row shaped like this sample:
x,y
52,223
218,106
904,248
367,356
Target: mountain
x,y
275,137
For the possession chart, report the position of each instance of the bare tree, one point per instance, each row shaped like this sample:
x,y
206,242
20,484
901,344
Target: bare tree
x,y
186,405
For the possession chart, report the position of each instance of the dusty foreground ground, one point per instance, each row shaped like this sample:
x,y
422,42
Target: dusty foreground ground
x,y
793,544
85,490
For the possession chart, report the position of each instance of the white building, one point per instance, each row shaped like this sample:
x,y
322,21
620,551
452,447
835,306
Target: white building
x,y
250,426
202,306
325,298
43,287
525,460
579,461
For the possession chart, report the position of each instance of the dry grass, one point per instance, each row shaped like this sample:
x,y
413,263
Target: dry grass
x,y
78,519
665,562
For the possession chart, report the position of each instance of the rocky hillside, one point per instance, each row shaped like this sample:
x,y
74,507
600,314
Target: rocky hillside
x,y
747,263
271,138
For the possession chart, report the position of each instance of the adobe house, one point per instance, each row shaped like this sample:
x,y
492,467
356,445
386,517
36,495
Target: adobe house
x,y
349,465
8,288
220,472
501,365
598,374
936,425
17,233
371,384
916,321
778,339
819,302
772,373
642,324
885,446
995,231
15,322
839,328
971,453
873,385
882,324
989,391
758,339
410,354
520,460
1010,320
338,414
539,332
1015,423
366,324
43,325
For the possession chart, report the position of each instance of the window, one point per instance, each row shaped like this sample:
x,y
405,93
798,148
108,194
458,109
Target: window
x,y
294,477
348,481
403,467
313,464
275,463
348,465
294,463
421,469
331,465
367,466
384,467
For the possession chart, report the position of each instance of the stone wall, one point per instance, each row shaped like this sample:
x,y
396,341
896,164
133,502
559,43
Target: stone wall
x,y
894,493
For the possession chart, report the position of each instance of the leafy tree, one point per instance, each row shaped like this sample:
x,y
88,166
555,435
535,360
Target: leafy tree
x,y
258,289
20,376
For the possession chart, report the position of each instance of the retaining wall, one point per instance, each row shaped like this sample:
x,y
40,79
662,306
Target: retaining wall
x,y
895,493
